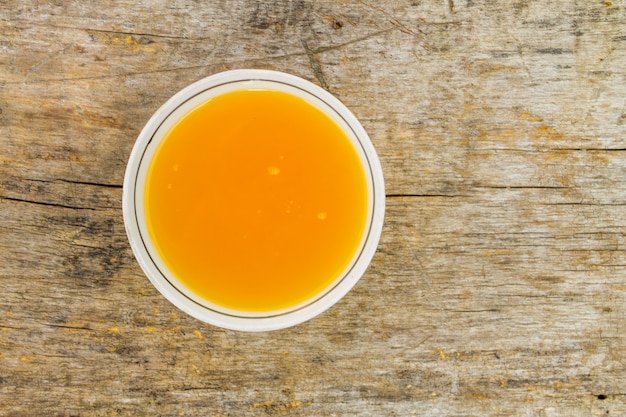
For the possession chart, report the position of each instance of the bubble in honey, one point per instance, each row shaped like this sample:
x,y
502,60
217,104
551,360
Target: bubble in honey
x,y
175,167
321,215
273,170
289,207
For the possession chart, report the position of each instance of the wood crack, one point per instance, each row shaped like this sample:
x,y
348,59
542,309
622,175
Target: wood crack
x,y
322,49
47,204
426,195
401,26
589,149
586,204
97,184
4,326
119,32
41,63
315,65
65,326
524,187
152,35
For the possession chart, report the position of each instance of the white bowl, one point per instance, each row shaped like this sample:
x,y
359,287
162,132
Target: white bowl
x,y
135,179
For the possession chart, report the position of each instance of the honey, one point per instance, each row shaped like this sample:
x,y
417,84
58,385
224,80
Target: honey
x,y
256,200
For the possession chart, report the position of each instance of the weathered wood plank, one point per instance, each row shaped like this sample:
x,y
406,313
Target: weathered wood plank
x,y
498,287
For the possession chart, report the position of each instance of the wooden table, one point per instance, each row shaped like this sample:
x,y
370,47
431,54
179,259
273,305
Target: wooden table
x,y
499,285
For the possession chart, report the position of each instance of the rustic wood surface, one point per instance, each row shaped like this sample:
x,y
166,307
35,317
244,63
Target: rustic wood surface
x,y
499,286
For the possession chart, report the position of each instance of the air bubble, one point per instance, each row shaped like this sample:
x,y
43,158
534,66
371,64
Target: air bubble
x,y
321,215
273,170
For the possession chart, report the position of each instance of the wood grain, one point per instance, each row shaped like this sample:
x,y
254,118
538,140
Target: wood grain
x,y
498,288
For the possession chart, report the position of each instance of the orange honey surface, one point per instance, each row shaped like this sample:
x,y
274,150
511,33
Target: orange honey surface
x,y
256,200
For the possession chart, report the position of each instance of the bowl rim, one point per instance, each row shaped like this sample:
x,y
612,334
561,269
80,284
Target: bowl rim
x,y
149,138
